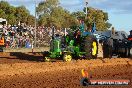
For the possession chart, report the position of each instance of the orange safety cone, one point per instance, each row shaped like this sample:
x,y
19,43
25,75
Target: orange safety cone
x,y
85,81
84,73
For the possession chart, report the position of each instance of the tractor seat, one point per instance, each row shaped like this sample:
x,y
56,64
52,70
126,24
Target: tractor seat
x,y
77,37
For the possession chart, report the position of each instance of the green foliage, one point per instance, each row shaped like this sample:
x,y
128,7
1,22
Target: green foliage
x,y
11,10
79,15
46,7
50,13
30,20
22,13
99,17
11,19
2,14
4,5
15,14
94,15
74,27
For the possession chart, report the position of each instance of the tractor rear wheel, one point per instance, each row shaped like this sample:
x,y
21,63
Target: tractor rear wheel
x,y
107,49
130,52
91,47
67,57
127,51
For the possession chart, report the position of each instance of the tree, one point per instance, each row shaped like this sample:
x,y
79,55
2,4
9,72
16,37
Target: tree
x,y
15,14
11,19
11,10
79,15
44,11
30,20
50,12
4,5
22,14
46,7
2,14
99,17
94,15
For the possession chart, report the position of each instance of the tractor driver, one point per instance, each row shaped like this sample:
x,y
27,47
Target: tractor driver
x,y
77,37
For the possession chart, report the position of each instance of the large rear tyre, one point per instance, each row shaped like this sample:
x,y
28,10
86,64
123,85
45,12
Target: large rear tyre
x,y
91,47
107,49
130,54
127,52
123,52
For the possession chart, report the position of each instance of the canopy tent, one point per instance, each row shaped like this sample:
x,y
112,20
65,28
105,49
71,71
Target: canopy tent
x,y
3,21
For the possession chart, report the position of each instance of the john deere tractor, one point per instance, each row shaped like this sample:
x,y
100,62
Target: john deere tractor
x,y
76,44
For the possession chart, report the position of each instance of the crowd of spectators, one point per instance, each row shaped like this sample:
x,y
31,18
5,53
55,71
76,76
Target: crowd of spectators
x,y
24,36
17,36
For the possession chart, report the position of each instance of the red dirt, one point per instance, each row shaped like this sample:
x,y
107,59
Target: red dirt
x,y
19,73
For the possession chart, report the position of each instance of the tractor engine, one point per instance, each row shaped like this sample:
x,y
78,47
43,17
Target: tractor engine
x,y
55,45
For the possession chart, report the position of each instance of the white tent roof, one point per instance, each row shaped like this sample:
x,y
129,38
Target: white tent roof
x,y
1,19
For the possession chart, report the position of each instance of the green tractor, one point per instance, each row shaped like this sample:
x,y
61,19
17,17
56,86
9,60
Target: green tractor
x,y
78,44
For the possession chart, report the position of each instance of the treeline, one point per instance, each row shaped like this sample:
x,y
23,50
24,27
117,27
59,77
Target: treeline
x,y
50,13
15,14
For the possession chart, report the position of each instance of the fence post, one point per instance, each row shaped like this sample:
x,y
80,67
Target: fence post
x,y
32,46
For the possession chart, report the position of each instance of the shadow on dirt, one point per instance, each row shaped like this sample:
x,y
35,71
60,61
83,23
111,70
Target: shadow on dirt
x,y
36,56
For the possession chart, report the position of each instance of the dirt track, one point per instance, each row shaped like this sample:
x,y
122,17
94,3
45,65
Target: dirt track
x,y
18,72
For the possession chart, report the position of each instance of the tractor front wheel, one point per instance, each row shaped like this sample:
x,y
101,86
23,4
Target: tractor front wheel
x,y
130,53
67,57
127,52
46,56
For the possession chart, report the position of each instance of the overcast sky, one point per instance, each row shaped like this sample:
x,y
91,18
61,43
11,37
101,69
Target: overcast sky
x,y
120,11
